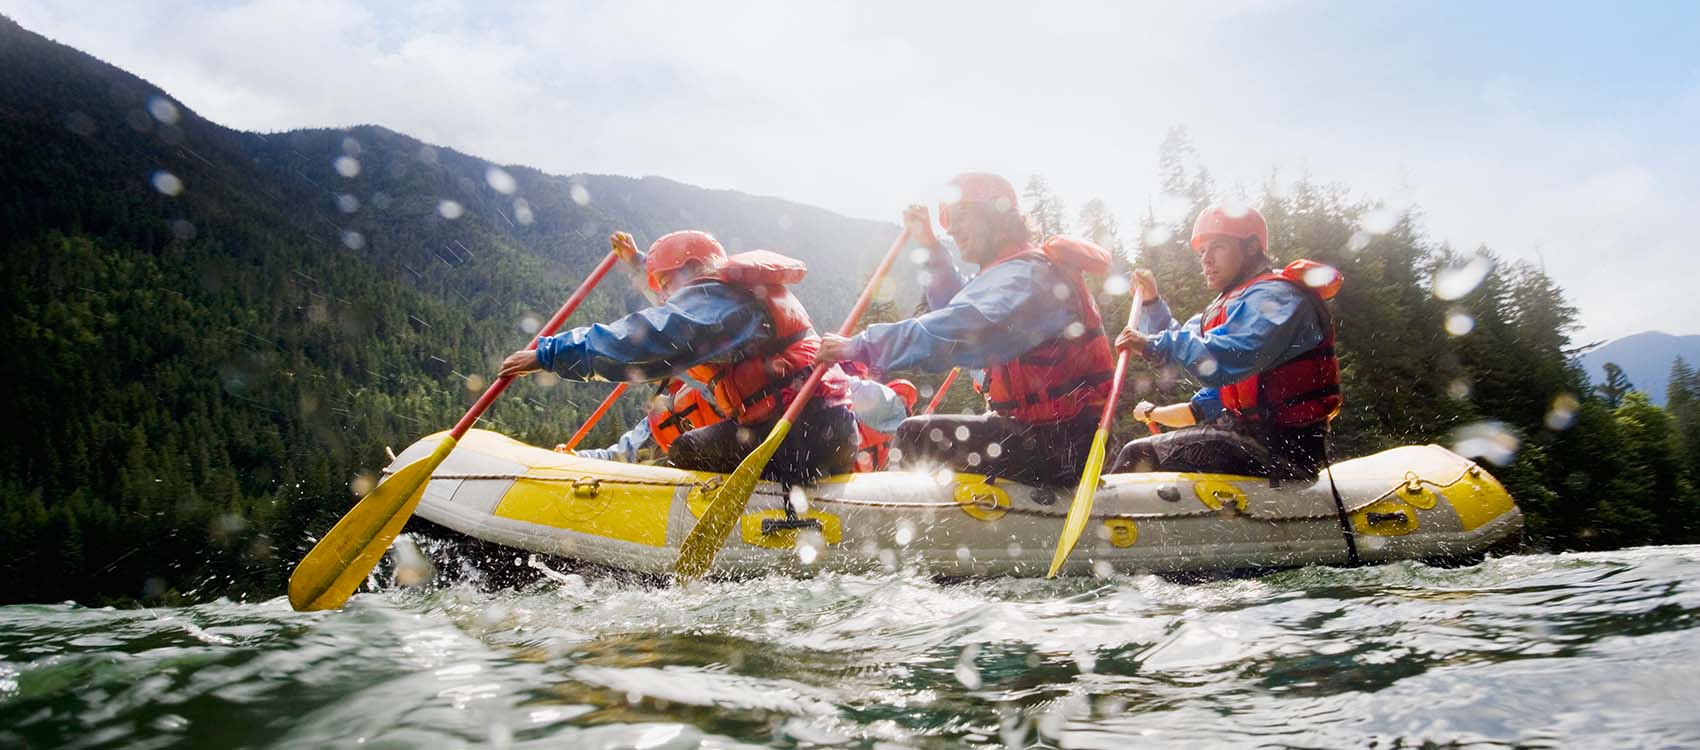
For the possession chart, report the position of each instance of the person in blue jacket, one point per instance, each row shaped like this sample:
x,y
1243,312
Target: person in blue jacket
x,y
1027,318
727,321
1264,351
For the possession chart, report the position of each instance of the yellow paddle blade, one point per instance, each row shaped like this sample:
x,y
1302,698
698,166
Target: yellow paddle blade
x,y
696,555
334,568
1081,510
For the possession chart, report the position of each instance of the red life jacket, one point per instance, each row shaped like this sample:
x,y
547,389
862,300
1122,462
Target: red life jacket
x,y
875,450
1055,380
762,384
1302,391
682,409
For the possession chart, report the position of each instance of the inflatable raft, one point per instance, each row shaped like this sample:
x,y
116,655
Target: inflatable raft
x,y
1413,502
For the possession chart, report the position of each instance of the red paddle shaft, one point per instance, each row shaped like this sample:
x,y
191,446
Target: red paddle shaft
x,y
596,416
945,386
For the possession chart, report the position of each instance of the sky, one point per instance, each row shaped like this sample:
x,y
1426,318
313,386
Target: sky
x,y
1567,134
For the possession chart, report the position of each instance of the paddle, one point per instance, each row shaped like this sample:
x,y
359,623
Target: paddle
x,y
697,553
595,416
334,568
1081,510
945,386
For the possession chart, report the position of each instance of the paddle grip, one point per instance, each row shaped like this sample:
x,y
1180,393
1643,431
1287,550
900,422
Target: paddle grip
x,y
808,390
548,329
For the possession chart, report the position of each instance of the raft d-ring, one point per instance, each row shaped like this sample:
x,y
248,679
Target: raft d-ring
x,y
1413,483
981,500
1123,533
586,487
1217,494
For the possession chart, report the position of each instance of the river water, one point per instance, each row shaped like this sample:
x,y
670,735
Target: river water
x,y
1578,650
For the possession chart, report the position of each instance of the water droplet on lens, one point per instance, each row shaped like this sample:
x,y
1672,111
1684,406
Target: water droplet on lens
x,y
580,195
1489,440
1453,282
1563,412
499,180
347,166
905,533
1459,323
1379,221
450,210
353,240
347,203
162,110
166,183
961,432
1116,285
522,212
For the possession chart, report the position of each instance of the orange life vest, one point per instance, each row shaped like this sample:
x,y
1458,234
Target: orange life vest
x,y
1055,380
875,450
1304,390
762,384
682,409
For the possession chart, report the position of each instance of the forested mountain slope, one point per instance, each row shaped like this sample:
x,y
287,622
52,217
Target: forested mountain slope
x,y
210,334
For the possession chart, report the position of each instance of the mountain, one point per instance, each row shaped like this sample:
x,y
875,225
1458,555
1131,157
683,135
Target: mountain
x,y
1645,359
212,335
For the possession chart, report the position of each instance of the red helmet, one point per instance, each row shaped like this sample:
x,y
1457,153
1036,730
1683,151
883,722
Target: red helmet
x,y
673,251
905,390
980,187
1237,222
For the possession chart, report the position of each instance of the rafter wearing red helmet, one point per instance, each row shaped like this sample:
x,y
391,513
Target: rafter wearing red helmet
x,y
730,323
1264,350
1027,319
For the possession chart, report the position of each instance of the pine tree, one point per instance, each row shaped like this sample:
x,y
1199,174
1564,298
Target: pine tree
x,y
1617,385
1044,209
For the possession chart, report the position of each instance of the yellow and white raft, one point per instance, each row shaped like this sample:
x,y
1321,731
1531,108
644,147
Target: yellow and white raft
x,y
1412,502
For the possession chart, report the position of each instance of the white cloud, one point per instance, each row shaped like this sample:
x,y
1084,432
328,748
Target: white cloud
x,y
864,107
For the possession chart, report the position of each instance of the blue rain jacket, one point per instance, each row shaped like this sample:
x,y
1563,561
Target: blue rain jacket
x,y
1270,323
996,316
708,321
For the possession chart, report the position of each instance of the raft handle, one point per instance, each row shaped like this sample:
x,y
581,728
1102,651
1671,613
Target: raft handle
x,y
1378,518
1170,493
775,525
586,487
